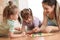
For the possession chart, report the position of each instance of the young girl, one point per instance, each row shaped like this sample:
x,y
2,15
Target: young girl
x,y
32,23
11,16
51,21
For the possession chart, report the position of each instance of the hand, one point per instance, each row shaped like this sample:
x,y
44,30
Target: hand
x,y
29,32
17,29
46,29
36,29
42,28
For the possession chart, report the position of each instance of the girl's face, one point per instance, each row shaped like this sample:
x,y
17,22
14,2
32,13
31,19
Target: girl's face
x,y
15,15
29,20
48,9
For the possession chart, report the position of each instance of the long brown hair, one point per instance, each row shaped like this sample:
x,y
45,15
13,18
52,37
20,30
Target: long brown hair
x,y
58,14
56,9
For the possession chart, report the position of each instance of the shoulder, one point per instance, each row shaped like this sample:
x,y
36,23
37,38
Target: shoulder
x,y
35,19
10,22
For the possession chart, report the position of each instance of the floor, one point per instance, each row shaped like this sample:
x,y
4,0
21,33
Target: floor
x,y
2,38
56,36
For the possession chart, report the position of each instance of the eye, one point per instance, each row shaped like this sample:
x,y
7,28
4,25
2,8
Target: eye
x,y
46,8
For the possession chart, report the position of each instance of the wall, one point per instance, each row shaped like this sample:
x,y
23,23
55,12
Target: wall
x,y
3,3
23,4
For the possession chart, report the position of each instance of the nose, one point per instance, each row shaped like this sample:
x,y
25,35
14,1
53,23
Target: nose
x,y
45,11
28,21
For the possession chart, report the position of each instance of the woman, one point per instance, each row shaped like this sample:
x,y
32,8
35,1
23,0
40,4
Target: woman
x,y
51,21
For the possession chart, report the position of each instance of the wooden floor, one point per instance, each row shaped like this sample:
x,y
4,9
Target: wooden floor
x,y
56,36
2,38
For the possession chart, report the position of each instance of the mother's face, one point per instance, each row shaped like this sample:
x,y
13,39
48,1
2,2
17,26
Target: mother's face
x,y
48,9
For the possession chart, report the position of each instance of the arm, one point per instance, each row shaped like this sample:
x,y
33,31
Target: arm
x,y
12,35
12,30
37,24
44,24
